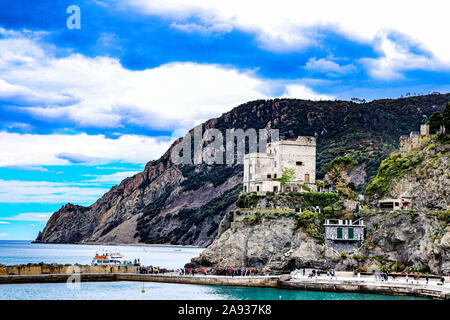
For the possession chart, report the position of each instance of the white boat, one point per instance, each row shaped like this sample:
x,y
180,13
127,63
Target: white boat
x,y
112,259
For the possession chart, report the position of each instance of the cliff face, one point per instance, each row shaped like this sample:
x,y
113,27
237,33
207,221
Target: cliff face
x,y
282,240
393,241
422,174
178,204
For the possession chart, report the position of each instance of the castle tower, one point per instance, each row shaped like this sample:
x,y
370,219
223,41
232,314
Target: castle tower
x,y
424,129
260,169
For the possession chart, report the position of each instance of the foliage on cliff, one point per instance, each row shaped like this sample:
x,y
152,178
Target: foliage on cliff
x,y
392,168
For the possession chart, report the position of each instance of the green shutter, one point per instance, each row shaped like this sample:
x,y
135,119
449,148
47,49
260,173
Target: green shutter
x,y
339,233
351,234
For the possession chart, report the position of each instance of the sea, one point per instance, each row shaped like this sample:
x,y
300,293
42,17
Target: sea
x,y
169,257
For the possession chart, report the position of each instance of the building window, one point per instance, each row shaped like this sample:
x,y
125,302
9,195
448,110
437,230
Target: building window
x,y
274,175
275,164
275,189
257,188
250,176
307,178
245,188
339,233
397,204
351,233
269,176
299,163
387,205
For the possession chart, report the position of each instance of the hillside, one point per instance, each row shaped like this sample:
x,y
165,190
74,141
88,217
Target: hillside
x,y
422,174
280,240
184,204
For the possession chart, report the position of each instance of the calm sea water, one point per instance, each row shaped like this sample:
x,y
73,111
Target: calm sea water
x,y
22,252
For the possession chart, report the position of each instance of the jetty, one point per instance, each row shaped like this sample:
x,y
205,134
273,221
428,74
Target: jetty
x,y
344,282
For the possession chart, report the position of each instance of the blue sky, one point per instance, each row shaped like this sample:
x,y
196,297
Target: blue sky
x,y
82,109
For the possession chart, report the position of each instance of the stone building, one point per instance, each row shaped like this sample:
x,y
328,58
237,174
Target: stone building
x,y
402,203
411,142
260,169
344,235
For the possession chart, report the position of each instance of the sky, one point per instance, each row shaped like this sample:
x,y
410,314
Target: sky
x,y
83,108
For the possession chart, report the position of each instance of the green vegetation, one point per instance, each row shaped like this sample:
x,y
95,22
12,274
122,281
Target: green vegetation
x,y
446,118
321,199
346,161
286,175
439,121
200,175
392,168
312,224
436,122
305,187
254,218
247,200
336,169
337,174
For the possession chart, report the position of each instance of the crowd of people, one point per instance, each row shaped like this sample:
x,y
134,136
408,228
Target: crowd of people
x,y
379,276
222,272
151,270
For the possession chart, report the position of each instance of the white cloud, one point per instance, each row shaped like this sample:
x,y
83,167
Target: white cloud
x,y
34,149
286,22
4,234
4,222
99,92
17,191
217,28
111,178
328,66
30,216
294,90
26,168
24,96
398,58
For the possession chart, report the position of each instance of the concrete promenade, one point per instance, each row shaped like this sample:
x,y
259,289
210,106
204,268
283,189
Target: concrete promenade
x,y
368,284
321,283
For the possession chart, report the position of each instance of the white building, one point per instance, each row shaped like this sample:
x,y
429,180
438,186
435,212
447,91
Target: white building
x,y
261,168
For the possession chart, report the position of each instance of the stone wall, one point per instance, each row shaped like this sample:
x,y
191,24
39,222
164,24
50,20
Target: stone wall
x,y
62,269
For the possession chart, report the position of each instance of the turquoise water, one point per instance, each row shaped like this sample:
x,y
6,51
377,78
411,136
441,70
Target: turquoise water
x,y
23,252
125,290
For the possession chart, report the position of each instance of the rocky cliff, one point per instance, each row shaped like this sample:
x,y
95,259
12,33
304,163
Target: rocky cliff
x,y
394,242
422,174
183,204
282,240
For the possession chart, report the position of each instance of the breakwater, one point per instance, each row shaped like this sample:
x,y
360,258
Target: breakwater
x,y
378,287
344,284
54,268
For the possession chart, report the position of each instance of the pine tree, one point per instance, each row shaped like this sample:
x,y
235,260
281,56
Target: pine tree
x,y
436,121
446,118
